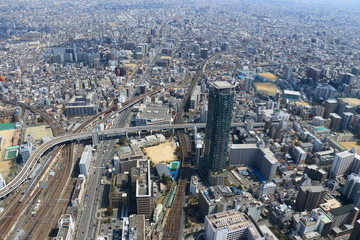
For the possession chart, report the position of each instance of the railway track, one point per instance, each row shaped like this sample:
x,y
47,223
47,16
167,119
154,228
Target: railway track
x,y
55,200
47,212
172,229
10,217
55,125
19,204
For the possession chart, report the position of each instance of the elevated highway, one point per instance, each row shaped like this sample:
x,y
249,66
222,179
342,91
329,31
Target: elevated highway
x,y
78,135
29,166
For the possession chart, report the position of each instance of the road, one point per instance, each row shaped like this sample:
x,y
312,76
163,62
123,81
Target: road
x,y
86,228
87,223
29,166
25,171
174,224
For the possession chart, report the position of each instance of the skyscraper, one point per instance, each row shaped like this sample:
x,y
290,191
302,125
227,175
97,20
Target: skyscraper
x,y
220,107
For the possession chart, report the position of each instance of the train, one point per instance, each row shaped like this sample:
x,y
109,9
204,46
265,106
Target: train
x,y
36,208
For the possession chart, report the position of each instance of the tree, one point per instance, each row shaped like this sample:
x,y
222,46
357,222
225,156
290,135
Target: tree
x,y
122,140
40,120
178,153
166,179
168,134
109,211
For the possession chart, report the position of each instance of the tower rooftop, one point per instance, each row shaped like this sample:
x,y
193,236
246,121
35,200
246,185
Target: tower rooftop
x,y
222,85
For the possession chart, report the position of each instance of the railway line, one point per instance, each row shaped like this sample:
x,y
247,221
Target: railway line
x,y
55,199
55,125
172,228
19,204
52,210
20,178
46,214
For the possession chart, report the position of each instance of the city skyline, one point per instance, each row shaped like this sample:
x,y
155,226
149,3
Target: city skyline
x,y
189,119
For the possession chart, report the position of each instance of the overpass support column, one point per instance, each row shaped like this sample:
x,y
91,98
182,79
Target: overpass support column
x,y
195,131
139,133
173,131
126,135
151,131
95,137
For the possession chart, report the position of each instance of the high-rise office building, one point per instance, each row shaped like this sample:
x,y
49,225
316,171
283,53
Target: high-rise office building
x,y
248,82
352,188
316,174
220,107
204,53
313,73
330,107
309,197
319,110
251,155
299,155
325,91
141,182
342,163
335,122
347,78
346,120
346,214
288,72
231,225
355,235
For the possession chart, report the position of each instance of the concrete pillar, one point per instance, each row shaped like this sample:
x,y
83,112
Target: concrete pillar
x,y
195,131
95,137
139,133
126,134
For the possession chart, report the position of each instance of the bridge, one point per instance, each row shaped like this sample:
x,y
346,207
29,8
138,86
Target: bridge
x,y
34,158
78,135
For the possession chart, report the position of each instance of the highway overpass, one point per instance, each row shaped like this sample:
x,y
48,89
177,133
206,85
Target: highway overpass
x,y
30,164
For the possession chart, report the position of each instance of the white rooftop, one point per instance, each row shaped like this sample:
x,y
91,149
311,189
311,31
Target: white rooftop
x,y
290,92
222,85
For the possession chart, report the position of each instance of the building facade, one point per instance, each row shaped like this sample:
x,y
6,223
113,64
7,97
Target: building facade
x,y
352,188
85,160
217,134
342,163
231,225
309,197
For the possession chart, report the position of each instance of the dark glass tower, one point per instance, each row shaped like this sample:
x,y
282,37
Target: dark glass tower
x,y
221,98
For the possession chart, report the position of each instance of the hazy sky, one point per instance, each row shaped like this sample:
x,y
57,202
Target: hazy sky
x,y
340,2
